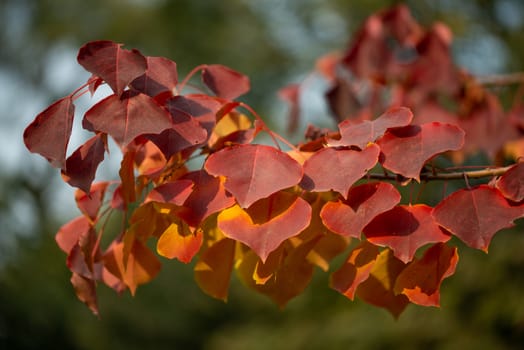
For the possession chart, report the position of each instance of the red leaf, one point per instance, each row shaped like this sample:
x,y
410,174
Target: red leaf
x,y
201,107
173,244
337,169
161,76
475,215
225,82
405,150
117,66
361,133
291,94
266,224
127,177
85,290
89,204
127,117
405,229
69,234
175,192
186,132
208,197
511,184
420,281
253,172
355,270
81,166
349,217
48,135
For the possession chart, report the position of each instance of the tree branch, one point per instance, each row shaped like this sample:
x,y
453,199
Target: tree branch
x,y
459,175
501,79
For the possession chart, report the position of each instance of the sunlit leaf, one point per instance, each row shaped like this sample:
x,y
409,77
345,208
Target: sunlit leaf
x,y
175,243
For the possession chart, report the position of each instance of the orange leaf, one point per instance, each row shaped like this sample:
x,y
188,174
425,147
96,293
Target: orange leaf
x,y
355,270
213,268
420,281
172,244
267,223
377,289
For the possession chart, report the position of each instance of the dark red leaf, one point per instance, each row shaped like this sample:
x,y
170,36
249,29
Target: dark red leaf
x,y
475,215
405,150
48,135
405,229
127,117
80,168
511,184
420,281
253,172
349,217
85,290
208,197
107,60
225,82
337,169
161,76
203,108
361,133
175,192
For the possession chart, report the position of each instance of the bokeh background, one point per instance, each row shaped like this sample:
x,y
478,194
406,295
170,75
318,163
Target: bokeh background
x,y
274,42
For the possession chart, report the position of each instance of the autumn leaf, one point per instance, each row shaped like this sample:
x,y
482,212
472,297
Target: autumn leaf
x,y
90,203
48,135
177,241
161,76
175,192
511,184
254,172
225,82
268,223
420,281
475,215
404,229
127,117
81,166
85,290
69,234
361,133
355,270
107,60
349,217
337,169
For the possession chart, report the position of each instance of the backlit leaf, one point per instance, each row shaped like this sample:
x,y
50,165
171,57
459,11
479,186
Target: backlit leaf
x,y
127,117
175,192
405,229
337,169
511,184
175,243
266,224
349,217
406,150
355,270
90,203
420,281
107,60
378,288
81,166
475,215
253,172
48,135
161,76
69,234
361,133
225,82
213,268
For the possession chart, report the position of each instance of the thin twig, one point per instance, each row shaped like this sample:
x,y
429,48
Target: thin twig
x,y
475,174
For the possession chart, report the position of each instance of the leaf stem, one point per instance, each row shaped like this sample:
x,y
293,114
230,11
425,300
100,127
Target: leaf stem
x,y
195,70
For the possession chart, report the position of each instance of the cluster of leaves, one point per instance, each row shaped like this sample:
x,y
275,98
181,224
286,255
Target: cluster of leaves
x,y
269,214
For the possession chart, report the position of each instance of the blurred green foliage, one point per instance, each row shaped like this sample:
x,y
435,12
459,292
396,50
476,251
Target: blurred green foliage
x,y
275,43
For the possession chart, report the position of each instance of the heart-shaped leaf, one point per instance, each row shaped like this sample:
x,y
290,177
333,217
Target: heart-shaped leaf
x,y
475,215
406,150
181,245
267,223
253,172
225,82
337,169
405,229
161,76
107,60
